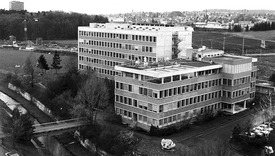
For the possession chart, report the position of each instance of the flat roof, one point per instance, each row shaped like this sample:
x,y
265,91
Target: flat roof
x,y
224,57
168,68
192,63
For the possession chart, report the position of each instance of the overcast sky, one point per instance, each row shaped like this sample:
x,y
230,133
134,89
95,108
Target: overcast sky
x,y
122,6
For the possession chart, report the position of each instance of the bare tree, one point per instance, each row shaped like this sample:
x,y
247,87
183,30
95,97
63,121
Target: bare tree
x,y
92,97
265,111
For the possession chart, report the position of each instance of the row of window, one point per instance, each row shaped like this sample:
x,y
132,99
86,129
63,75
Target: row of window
x,y
114,54
98,61
118,36
117,45
196,99
167,107
124,86
168,120
172,91
98,70
189,88
186,115
236,82
236,94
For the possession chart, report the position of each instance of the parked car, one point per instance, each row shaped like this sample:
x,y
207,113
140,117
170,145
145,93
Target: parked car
x,y
11,154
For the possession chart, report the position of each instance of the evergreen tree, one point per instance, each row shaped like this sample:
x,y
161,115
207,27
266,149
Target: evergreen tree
x,y
18,126
56,62
237,28
29,68
42,63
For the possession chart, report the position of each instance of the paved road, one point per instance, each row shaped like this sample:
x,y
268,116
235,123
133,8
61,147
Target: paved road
x,y
2,150
223,131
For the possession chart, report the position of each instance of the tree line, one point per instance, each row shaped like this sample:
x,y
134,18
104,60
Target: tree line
x,y
51,25
264,26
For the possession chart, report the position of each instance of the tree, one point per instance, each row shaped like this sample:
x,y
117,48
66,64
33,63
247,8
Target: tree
x,y
42,63
18,126
71,65
272,78
92,97
237,130
29,68
237,28
56,62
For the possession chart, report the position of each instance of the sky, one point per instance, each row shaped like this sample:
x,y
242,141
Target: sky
x,y
123,6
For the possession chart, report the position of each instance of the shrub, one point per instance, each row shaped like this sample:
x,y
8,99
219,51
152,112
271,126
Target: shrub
x,y
113,118
169,130
106,139
237,130
13,79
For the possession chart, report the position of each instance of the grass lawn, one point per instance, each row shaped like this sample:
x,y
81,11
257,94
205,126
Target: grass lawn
x,y
264,35
68,42
10,58
233,43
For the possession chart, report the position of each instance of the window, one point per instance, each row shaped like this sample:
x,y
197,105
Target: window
x,y
129,101
135,103
161,108
130,88
161,122
179,104
229,82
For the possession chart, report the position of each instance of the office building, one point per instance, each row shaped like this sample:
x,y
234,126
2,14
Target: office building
x,y
167,92
16,5
102,46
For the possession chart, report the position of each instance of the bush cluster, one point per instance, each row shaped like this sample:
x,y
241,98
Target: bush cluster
x,y
111,139
169,130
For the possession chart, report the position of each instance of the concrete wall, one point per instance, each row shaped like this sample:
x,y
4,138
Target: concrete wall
x,y
27,96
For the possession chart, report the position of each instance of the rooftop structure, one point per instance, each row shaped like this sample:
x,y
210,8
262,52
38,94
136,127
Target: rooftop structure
x,y
166,92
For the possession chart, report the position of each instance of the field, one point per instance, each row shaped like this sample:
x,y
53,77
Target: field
x,y
10,58
264,35
233,42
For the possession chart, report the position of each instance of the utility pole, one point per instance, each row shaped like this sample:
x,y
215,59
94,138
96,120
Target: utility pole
x,y
223,48
25,28
243,46
211,43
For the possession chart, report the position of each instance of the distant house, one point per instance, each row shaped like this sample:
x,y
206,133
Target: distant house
x,y
116,20
244,24
210,26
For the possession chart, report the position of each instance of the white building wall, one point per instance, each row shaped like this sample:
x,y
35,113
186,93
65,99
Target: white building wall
x,y
235,69
164,45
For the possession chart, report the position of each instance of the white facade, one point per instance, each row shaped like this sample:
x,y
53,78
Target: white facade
x,y
16,5
133,42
